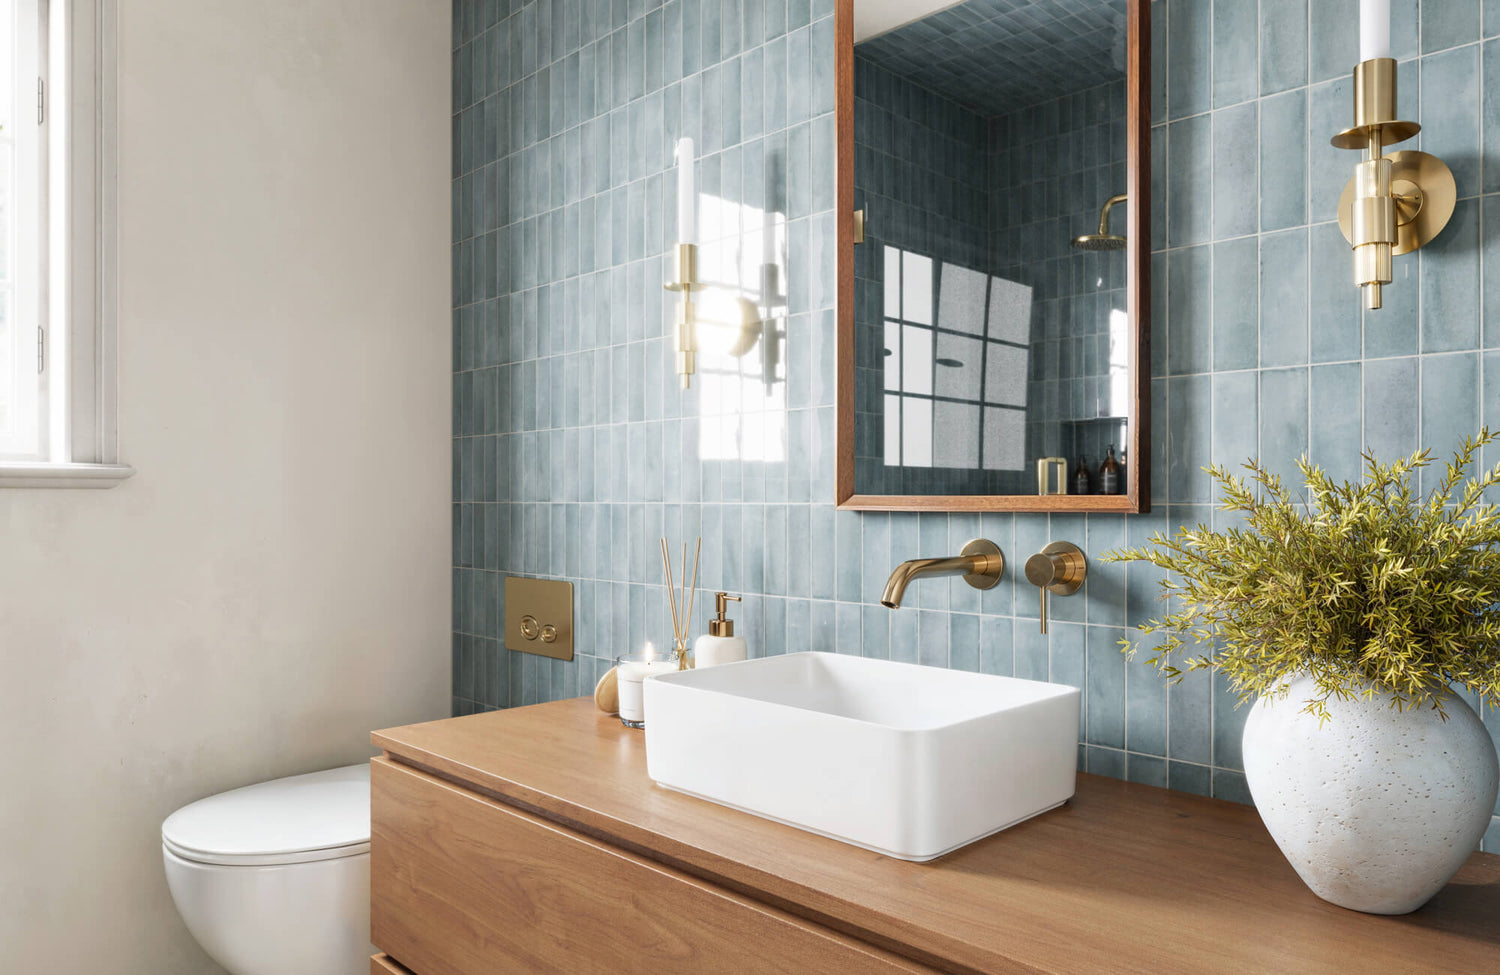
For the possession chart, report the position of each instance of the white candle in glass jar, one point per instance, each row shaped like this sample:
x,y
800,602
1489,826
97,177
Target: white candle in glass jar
x,y
628,677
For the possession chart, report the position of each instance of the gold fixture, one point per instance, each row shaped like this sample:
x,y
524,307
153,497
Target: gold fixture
x,y
1048,468
721,624
539,617
859,226
1394,203
685,280
1103,240
980,563
1060,569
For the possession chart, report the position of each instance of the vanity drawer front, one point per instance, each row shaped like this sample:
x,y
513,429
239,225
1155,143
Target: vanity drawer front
x,y
463,885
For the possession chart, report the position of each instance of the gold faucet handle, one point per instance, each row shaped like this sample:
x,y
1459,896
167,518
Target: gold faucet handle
x,y
1059,568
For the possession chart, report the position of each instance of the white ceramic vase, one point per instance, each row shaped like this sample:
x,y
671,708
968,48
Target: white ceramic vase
x,y
1377,808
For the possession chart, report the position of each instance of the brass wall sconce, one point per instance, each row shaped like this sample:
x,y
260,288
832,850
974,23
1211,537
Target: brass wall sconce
x,y
1395,202
685,281
685,266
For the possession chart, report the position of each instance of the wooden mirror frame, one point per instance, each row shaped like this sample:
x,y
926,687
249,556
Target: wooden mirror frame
x,y
1137,496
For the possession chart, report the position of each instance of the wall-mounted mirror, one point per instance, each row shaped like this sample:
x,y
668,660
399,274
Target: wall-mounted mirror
x,y
993,254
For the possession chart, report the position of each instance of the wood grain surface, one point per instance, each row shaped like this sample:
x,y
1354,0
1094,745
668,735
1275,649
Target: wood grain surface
x,y
1124,878
464,885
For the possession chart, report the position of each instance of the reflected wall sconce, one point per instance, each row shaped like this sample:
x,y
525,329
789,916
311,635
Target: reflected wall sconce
x,y
685,266
1396,201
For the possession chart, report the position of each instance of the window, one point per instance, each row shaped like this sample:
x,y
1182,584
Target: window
x,y
956,360
56,244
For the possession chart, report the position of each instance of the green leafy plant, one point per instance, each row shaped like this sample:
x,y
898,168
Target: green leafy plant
x,y
1367,587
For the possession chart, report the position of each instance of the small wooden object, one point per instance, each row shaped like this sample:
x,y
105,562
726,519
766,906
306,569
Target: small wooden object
x,y
607,693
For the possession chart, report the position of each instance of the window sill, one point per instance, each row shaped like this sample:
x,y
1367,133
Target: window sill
x,y
39,475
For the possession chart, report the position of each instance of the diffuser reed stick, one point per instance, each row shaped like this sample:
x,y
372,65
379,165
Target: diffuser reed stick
x,y
681,605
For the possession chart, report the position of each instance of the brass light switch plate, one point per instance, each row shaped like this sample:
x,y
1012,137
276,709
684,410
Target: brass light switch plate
x,y
539,617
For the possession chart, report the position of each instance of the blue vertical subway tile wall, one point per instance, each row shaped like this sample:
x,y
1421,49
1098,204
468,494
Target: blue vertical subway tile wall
x,y
574,448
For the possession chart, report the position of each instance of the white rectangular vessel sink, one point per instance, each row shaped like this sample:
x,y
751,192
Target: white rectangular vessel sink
x,y
909,761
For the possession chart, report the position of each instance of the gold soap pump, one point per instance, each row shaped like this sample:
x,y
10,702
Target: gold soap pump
x,y
720,645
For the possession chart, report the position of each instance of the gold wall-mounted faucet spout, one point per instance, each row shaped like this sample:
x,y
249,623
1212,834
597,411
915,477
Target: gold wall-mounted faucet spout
x,y
980,563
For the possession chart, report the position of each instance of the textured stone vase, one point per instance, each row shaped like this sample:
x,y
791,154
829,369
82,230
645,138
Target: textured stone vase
x,y
1378,808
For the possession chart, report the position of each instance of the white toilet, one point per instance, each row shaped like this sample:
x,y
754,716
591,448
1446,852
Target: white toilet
x,y
275,877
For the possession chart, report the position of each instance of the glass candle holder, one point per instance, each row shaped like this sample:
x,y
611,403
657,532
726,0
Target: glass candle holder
x,y
631,670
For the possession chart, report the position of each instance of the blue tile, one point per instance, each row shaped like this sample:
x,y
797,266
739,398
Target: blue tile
x,y
1190,174
1159,58
1334,304
1146,770
1236,304
1231,786
1449,23
1328,168
1450,408
875,637
1105,585
1283,45
1490,263
1236,417
1283,298
1188,442
1190,298
964,642
1189,64
1235,72
932,637
1106,687
1333,39
1284,423
1106,761
1334,429
1031,654
1235,190
1283,161
1229,724
996,646
1391,404
1190,718
1450,110
1450,299
1067,654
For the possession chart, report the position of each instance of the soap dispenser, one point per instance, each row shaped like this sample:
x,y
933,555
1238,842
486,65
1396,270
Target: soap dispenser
x,y
720,646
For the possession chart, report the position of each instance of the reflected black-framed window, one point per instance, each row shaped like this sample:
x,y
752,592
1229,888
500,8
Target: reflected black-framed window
x,y
956,358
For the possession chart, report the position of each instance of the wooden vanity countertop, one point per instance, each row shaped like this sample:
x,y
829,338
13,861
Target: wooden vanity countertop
x,y
1124,878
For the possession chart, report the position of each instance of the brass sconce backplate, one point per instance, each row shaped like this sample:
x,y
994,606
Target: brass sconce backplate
x,y
539,617
1425,197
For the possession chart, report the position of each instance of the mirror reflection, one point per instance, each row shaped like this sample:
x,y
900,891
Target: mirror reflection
x,y
992,342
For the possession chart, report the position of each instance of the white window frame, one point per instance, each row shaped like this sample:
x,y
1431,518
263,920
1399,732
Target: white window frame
x,y
81,446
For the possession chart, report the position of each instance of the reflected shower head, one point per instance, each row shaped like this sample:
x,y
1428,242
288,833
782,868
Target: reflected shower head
x,y
1099,242
1103,240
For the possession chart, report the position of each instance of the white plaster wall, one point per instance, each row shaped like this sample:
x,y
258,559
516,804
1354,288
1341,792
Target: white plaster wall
x,y
274,583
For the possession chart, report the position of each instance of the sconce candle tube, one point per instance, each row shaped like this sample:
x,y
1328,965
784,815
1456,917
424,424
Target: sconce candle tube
x,y
686,198
1374,29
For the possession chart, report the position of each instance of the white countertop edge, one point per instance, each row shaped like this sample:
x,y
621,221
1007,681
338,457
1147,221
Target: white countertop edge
x,y
22,474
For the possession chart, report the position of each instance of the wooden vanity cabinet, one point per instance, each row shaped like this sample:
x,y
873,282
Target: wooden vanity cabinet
x,y
464,885
533,840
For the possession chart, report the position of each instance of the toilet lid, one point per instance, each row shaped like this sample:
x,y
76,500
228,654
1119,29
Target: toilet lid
x,y
318,816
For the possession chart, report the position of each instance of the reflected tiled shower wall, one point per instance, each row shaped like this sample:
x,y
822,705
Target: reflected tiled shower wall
x,y
574,449
1054,165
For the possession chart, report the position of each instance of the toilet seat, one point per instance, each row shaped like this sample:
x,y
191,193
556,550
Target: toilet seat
x,y
274,878
299,819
